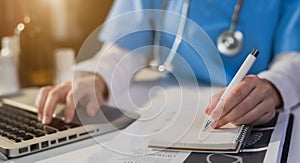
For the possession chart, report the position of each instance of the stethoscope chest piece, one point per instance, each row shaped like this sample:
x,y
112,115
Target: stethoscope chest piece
x,y
230,42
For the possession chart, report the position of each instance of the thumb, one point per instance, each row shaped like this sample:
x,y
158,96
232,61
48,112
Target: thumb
x,y
91,107
94,103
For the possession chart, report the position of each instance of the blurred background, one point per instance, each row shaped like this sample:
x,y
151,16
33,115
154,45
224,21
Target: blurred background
x,y
33,31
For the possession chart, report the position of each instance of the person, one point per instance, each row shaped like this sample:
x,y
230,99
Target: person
x,y
272,83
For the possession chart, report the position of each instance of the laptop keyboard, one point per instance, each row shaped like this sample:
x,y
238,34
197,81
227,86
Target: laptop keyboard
x,y
19,125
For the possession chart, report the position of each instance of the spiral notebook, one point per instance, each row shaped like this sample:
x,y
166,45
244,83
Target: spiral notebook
x,y
228,139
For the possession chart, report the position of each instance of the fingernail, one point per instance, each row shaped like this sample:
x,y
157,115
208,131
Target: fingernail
x,y
206,111
91,112
215,125
68,119
39,117
45,119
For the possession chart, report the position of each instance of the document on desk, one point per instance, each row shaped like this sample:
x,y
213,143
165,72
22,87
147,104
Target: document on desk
x,y
134,148
228,139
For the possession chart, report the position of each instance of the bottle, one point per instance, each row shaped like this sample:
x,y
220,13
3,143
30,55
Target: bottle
x,y
11,46
64,63
9,83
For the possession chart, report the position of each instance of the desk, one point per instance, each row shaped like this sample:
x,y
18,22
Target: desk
x,y
88,150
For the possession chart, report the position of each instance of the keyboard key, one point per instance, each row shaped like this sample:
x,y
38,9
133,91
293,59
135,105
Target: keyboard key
x,y
27,137
15,131
18,139
73,125
30,129
38,133
12,136
20,125
58,124
1,132
33,123
21,133
48,130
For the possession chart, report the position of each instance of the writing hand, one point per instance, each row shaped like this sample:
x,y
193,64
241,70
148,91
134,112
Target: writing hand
x,y
253,101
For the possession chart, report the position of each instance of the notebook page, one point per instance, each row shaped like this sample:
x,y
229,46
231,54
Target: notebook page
x,y
219,138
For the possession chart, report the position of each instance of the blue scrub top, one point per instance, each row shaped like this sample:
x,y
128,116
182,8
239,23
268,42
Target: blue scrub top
x,y
272,27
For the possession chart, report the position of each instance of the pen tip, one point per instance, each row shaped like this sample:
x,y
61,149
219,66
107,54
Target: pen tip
x,y
204,133
254,52
208,122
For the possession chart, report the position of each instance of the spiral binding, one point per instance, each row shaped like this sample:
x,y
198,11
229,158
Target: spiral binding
x,y
243,133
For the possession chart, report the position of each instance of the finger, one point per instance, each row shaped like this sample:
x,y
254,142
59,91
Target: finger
x,y
245,106
94,104
81,90
89,92
56,95
252,116
91,108
213,102
41,99
70,107
264,119
239,93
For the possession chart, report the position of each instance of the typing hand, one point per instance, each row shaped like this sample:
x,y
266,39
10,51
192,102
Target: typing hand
x,y
89,90
253,101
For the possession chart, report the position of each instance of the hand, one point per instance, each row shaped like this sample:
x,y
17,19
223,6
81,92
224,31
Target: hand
x,y
85,89
252,102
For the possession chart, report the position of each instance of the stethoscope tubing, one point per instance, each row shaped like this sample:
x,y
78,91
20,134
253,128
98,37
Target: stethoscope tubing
x,y
235,16
178,39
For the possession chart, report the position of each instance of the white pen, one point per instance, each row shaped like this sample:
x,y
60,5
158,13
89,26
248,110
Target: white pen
x,y
235,81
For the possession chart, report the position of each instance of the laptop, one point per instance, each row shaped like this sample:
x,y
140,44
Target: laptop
x,y
22,134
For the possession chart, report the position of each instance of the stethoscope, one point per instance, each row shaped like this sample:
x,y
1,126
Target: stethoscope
x,y
229,42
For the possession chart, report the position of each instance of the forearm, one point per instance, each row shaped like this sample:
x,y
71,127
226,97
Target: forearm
x,y
284,74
